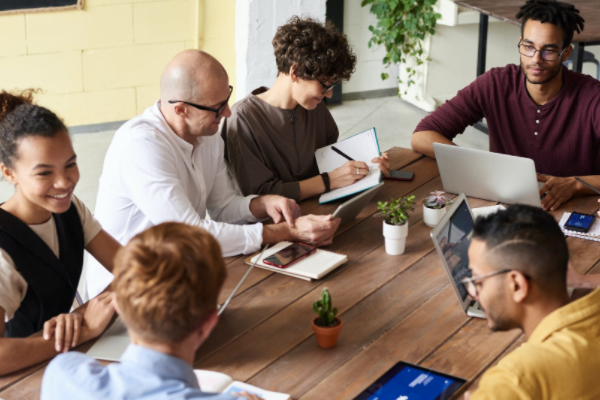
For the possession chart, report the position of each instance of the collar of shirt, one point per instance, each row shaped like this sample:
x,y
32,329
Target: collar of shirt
x,y
566,74
161,364
572,313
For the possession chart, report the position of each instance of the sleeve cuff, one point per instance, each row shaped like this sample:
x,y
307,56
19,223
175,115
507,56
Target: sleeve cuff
x,y
247,213
291,190
254,238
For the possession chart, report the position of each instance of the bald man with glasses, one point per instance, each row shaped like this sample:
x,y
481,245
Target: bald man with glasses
x,y
167,165
539,109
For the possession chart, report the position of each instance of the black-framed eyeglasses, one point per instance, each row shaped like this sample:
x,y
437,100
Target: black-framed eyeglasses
x,y
470,283
218,111
546,54
327,88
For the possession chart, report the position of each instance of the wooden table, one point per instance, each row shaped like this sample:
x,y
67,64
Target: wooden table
x,y
506,10
393,307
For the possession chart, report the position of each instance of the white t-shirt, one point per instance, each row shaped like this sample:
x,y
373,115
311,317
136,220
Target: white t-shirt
x,y
12,285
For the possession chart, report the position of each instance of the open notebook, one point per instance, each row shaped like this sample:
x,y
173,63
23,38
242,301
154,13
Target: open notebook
x,y
315,266
216,382
592,234
360,147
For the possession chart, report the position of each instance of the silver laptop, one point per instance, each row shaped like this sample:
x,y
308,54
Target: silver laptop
x,y
350,209
451,238
486,175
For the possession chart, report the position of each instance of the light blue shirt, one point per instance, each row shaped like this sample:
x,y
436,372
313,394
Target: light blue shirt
x,y
142,374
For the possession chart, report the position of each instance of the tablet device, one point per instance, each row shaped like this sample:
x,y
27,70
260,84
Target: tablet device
x,y
350,209
406,381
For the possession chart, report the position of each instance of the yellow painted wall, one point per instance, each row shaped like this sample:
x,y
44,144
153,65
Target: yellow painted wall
x,y
103,63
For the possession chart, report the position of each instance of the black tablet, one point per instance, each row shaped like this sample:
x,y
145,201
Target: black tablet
x,y
406,381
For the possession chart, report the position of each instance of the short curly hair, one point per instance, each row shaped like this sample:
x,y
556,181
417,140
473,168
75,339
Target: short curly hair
x,y
167,281
318,50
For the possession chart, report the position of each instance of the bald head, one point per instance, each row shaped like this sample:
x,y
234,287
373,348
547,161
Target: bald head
x,y
191,76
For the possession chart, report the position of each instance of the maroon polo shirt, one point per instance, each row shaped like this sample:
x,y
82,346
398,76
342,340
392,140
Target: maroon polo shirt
x,y
562,137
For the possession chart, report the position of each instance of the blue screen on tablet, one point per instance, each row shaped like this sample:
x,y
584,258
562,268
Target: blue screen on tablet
x,y
408,382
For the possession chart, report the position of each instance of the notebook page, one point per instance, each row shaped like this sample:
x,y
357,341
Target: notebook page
x,y
211,381
361,147
238,387
112,344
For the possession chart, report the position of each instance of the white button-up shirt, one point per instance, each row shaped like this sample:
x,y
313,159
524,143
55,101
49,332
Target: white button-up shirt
x,y
151,175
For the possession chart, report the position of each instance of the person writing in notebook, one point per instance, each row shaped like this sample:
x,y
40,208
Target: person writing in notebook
x,y
518,261
539,110
44,230
166,288
167,165
273,133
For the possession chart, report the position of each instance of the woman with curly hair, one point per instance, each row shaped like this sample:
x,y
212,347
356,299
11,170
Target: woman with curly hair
x,y
273,133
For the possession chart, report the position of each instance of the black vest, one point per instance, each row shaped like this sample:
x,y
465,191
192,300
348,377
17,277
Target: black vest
x,y
51,282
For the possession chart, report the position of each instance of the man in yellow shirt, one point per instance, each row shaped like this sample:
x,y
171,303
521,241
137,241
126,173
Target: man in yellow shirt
x,y
518,260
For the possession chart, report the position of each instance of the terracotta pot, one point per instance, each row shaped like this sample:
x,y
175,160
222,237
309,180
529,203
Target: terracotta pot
x,y
327,337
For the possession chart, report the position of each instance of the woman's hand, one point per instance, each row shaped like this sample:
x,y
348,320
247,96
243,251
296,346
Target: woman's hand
x,y
384,163
347,174
70,330
66,329
97,315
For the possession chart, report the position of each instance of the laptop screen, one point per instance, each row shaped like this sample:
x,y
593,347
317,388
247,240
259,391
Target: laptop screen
x,y
454,239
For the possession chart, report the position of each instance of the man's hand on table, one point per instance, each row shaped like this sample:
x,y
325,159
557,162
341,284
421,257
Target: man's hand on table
x,y
277,207
560,190
317,230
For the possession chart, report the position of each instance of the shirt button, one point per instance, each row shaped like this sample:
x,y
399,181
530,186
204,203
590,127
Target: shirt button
x,y
538,110
537,121
535,133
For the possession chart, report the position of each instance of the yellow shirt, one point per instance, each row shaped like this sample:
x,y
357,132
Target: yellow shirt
x,y
560,361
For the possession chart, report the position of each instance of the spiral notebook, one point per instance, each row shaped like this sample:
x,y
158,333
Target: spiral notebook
x,y
315,266
592,234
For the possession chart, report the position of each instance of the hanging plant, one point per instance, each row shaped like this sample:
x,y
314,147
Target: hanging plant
x,y
401,28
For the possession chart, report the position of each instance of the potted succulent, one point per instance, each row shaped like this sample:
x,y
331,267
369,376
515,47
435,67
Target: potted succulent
x,y
327,325
434,207
395,223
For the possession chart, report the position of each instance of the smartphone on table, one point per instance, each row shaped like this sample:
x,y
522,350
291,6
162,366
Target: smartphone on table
x,y
400,176
579,222
289,255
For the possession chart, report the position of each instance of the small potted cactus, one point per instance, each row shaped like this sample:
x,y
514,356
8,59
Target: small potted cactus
x,y
327,325
395,223
434,207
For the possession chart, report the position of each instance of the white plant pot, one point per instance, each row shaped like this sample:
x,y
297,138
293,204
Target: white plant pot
x,y
432,216
395,238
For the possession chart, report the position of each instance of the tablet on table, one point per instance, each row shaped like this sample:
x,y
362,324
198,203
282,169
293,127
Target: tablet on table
x,y
406,381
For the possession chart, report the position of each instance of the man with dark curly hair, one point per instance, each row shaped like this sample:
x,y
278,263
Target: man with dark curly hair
x,y
273,133
539,110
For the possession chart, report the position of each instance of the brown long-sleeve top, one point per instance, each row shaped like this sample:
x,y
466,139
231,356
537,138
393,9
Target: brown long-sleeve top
x,y
271,149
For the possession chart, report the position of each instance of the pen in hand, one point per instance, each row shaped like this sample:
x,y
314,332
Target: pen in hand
x,y
341,153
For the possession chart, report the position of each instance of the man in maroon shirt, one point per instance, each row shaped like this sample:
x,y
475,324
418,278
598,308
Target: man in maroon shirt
x,y
540,110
